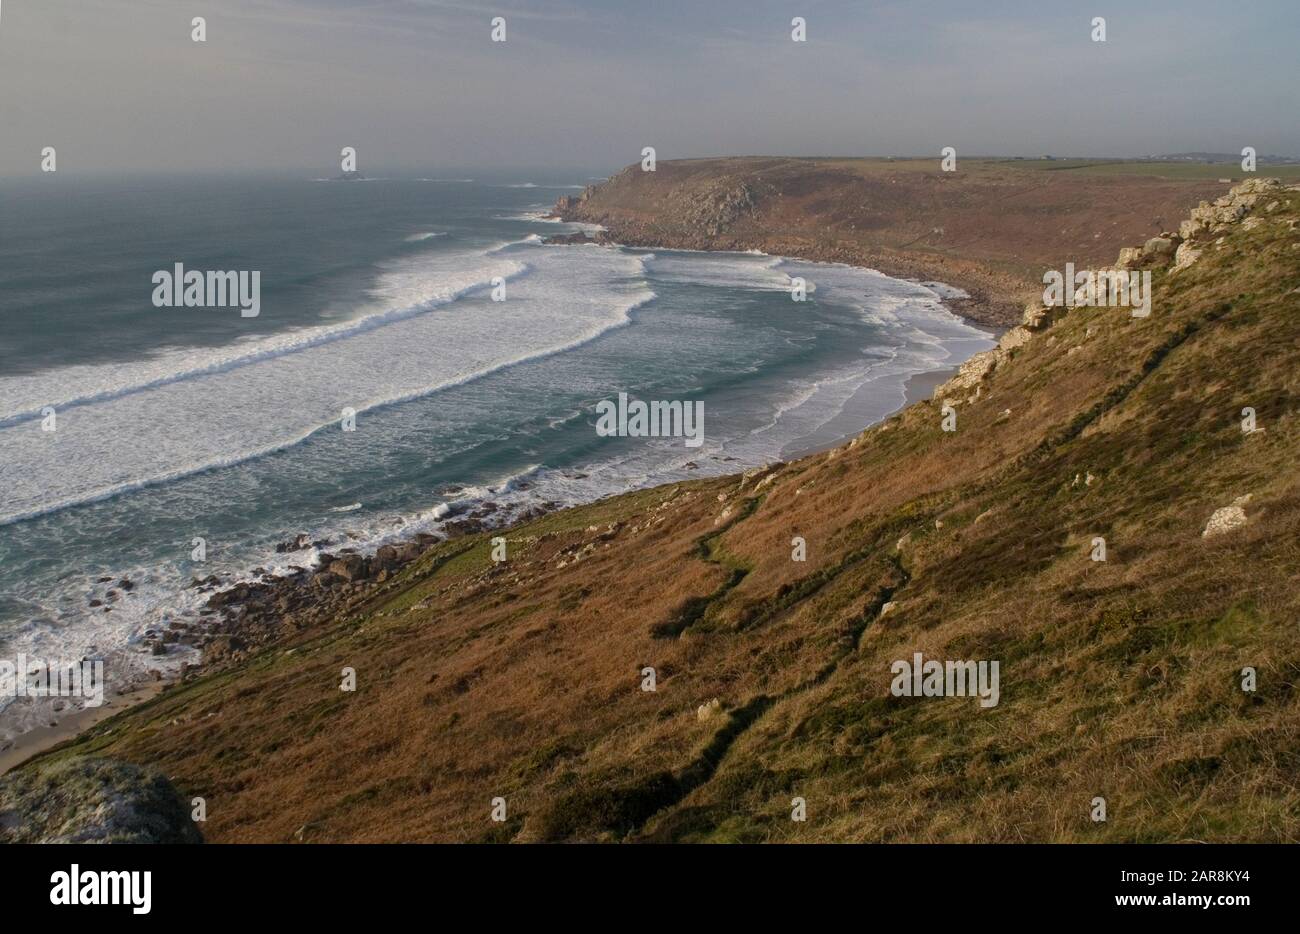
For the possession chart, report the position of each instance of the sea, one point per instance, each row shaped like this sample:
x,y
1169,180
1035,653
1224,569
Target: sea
x,y
418,350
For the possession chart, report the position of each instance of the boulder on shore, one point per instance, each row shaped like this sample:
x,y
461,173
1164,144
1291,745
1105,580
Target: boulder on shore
x,y
348,567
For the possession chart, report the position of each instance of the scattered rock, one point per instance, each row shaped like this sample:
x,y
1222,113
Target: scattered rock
x,y
1227,519
1130,257
1039,318
969,375
1232,207
1016,337
705,711
1186,255
222,647
1159,247
348,567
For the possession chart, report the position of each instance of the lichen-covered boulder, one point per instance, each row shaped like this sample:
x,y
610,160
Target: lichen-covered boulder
x,y
1186,255
1160,246
1131,256
1228,518
92,800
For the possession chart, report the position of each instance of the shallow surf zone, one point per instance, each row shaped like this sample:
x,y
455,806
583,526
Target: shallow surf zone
x,y
407,289
432,325
216,414
920,335
912,332
496,419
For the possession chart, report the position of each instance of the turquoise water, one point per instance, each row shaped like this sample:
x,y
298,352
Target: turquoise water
x,y
180,423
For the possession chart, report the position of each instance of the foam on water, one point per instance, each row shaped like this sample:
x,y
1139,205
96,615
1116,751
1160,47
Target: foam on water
x,y
722,270
221,416
414,288
924,337
430,326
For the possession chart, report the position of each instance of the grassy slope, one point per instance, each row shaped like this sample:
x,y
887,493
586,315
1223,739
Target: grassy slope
x,y
991,227
1118,678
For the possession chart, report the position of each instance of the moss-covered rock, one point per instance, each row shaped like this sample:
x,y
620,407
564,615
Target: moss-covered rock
x,y
91,800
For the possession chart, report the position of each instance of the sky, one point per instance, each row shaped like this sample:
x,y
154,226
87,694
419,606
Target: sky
x,y
118,86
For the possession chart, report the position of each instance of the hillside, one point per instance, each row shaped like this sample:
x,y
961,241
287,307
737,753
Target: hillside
x,y
1119,678
990,227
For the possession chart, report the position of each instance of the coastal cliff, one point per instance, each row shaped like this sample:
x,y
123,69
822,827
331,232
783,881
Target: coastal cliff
x,y
990,227
673,665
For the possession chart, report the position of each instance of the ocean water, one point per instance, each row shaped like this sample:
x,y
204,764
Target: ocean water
x,y
180,423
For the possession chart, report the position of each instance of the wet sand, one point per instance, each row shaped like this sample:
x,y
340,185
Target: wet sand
x,y
22,748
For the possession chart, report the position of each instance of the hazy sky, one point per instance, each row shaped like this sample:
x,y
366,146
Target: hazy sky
x,y
118,85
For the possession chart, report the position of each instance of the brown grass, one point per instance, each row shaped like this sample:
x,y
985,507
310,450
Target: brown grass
x,y
1119,679
992,227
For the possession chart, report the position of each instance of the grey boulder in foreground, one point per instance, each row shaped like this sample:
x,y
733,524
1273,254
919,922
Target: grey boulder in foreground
x,y
92,800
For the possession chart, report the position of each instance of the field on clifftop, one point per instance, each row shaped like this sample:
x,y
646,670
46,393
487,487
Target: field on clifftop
x,y
1120,679
990,227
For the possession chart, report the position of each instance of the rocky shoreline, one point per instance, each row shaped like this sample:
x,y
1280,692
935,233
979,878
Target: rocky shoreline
x,y
242,617
522,677
251,614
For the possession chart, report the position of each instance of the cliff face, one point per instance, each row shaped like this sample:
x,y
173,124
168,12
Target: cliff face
x,y
1103,521
990,228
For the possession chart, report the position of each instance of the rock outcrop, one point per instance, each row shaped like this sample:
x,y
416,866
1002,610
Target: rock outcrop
x,y
522,677
1228,518
1209,219
92,800
719,206
1187,254
1183,248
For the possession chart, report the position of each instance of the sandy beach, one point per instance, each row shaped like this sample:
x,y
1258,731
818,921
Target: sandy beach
x,y
33,742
